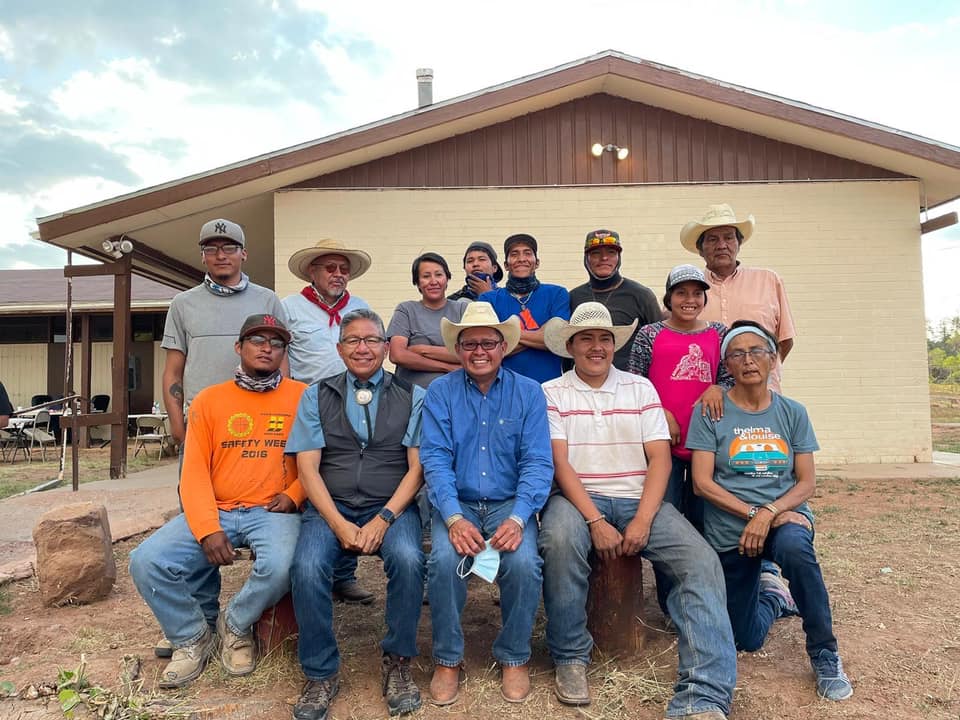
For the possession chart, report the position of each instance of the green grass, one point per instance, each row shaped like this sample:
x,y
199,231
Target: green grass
x,y
5,603
94,465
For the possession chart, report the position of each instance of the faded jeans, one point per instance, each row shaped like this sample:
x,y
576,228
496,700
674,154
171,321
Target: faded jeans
x,y
173,576
519,579
707,667
312,576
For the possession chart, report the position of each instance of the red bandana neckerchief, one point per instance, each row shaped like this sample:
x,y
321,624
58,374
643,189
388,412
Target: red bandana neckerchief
x,y
311,294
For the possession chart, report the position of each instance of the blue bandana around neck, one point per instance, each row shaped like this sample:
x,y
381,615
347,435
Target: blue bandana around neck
x,y
224,290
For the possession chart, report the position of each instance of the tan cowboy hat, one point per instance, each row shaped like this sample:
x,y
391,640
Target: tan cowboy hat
x,y
717,216
300,261
480,314
586,316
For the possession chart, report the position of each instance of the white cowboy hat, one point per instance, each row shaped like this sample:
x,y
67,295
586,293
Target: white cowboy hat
x,y
717,216
586,316
480,314
299,262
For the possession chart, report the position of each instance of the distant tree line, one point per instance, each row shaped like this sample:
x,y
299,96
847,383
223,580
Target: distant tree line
x,y
943,352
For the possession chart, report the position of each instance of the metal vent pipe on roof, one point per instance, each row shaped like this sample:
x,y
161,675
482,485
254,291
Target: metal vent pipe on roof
x,y
424,87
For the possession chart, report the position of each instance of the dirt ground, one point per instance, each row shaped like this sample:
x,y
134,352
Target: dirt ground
x,y
889,553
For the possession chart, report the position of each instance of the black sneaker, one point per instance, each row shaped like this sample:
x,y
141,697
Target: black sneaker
x,y
315,698
399,689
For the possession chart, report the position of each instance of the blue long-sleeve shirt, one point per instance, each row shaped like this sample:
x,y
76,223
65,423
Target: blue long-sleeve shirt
x,y
494,447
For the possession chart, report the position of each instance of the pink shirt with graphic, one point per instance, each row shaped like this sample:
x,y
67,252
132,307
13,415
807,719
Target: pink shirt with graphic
x,y
680,365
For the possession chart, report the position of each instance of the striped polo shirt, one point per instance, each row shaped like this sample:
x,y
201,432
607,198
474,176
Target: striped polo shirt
x,y
605,429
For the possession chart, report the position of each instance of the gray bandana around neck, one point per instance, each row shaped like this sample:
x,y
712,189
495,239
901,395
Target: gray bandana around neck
x,y
224,290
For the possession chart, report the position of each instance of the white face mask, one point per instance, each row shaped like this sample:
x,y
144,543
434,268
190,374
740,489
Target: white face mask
x,y
485,566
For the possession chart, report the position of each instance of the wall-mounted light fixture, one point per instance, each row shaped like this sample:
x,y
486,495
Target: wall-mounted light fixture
x,y
599,149
117,248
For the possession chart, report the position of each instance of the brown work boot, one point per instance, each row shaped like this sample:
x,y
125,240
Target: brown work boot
x,y
515,683
238,653
188,662
445,685
349,592
570,684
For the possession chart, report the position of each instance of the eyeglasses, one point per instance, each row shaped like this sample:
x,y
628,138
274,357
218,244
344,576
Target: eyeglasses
x,y
331,268
373,342
260,341
738,356
212,250
471,345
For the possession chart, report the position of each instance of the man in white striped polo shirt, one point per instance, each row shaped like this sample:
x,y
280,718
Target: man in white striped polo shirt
x,y
611,453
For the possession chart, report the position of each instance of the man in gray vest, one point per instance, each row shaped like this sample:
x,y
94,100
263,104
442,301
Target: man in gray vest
x,y
356,438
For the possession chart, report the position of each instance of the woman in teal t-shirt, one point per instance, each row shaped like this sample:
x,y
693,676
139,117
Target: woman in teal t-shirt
x,y
754,468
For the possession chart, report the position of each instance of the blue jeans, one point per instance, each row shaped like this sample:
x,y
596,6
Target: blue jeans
x,y
177,582
707,667
519,579
312,575
751,614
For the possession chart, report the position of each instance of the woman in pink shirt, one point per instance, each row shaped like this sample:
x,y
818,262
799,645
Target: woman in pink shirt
x,y
681,357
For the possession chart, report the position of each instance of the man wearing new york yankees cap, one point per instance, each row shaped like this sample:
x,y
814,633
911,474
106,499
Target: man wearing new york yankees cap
x,y
201,324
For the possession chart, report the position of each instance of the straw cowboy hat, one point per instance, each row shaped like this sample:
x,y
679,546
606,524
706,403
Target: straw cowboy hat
x,y
480,314
717,216
586,316
299,262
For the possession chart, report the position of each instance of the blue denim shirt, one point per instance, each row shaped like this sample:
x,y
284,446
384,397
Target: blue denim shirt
x,y
486,447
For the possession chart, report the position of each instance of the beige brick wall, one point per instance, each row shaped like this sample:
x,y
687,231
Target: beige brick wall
x,y
23,371
849,253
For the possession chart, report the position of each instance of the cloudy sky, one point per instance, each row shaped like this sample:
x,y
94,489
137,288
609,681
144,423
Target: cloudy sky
x,y
106,96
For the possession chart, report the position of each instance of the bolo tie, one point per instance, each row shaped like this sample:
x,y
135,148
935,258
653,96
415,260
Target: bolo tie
x,y
363,394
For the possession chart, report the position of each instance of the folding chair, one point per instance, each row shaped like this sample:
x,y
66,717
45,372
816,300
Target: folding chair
x,y
39,434
151,428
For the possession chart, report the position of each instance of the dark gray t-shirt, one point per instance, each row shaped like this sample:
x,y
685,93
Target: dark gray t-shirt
x,y
754,455
204,327
628,302
421,326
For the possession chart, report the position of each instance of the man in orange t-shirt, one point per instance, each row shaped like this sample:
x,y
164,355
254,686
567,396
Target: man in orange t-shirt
x,y
238,490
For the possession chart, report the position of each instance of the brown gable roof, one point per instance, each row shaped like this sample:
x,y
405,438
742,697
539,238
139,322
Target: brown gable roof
x,y
46,291
163,215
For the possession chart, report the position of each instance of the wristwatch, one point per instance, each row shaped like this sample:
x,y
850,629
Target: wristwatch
x,y
753,512
387,516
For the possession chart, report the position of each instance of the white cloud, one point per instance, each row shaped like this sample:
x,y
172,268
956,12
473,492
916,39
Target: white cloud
x,y
10,102
6,44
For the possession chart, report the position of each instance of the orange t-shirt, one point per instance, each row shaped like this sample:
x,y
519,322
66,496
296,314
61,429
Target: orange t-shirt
x,y
234,452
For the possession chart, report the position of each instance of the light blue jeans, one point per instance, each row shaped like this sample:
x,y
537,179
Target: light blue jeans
x,y
519,579
697,601
172,574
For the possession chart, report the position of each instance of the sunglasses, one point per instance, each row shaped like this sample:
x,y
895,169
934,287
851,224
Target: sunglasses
x,y
331,267
596,241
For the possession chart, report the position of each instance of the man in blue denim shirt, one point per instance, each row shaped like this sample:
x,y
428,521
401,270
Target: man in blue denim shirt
x,y
488,468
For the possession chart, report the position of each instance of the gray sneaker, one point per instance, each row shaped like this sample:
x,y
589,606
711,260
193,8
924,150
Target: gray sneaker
x,y
570,684
187,663
315,698
832,681
399,689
